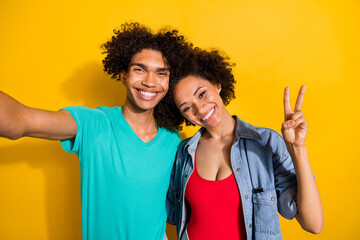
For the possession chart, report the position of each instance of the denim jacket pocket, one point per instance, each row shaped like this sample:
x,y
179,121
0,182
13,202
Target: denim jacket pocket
x,y
266,212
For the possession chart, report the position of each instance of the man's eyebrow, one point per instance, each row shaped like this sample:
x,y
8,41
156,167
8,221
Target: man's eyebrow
x,y
139,65
162,69
146,67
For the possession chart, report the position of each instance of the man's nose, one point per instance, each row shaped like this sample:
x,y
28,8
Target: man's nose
x,y
149,80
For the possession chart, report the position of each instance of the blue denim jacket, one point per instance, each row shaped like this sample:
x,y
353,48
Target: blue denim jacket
x,y
264,173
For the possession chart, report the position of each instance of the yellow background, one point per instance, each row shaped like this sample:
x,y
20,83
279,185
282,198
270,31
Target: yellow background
x,y
50,58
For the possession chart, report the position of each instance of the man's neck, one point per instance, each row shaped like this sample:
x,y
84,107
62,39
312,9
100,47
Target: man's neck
x,y
142,122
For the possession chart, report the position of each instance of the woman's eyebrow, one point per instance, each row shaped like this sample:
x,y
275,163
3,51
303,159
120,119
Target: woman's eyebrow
x,y
182,104
197,90
193,95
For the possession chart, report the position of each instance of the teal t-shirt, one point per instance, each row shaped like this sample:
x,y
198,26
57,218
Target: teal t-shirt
x,y
124,180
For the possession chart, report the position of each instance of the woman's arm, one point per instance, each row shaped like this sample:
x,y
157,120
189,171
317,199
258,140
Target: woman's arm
x,y
294,130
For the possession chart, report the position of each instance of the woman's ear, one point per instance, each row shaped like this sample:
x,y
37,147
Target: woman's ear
x,y
218,87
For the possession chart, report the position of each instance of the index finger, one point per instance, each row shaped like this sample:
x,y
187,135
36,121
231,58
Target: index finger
x,y
300,98
287,106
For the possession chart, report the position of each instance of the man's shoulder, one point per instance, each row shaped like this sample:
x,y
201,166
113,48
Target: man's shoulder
x,y
87,117
172,133
88,110
169,137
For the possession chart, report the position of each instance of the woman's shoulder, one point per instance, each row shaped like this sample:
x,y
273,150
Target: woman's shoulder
x,y
245,129
184,144
267,133
268,138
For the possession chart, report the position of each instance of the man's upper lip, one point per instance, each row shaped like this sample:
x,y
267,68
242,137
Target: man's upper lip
x,y
147,90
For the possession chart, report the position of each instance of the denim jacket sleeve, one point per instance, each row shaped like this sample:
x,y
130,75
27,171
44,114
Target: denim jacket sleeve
x,y
285,181
173,196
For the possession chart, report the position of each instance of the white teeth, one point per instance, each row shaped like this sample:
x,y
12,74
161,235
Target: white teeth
x,y
147,94
208,115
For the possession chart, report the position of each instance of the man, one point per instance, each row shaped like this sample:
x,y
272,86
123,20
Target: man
x,y
125,153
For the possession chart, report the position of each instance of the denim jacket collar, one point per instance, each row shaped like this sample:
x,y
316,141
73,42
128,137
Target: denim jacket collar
x,y
243,130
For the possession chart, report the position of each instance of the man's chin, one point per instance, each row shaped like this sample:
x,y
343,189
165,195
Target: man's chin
x,y
146,107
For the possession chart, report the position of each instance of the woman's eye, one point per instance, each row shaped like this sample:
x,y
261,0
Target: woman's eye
x,y
186,109
202,94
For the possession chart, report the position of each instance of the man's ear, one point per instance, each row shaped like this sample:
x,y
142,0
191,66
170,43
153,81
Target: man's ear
x,y
218,88
123,77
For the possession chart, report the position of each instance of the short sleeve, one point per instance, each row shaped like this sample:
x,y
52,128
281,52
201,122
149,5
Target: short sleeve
x,y
87,120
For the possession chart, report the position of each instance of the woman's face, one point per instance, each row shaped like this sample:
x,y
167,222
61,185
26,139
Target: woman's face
x,y
199,101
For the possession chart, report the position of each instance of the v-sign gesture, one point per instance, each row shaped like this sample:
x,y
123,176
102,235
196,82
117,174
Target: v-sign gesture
x,y
294,128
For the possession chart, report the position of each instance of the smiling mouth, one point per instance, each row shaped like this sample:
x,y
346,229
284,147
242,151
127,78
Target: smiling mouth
x,y
147,95
208,115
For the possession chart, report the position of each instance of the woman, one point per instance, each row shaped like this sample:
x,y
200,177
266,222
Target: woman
x,y
231,179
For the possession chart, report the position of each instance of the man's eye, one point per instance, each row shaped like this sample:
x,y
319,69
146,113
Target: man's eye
x,y
138,70
202,94
163,73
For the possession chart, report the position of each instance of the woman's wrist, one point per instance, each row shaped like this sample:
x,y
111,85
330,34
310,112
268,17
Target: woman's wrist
x,y
297,151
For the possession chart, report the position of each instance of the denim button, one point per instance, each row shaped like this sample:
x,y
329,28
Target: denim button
x,y
246,197
272,198
238,169
185,175
250,225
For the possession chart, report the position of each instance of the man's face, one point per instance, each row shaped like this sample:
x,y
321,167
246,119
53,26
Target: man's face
x,y
146,81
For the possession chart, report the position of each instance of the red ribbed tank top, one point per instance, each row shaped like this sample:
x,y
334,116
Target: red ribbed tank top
x,y
216,209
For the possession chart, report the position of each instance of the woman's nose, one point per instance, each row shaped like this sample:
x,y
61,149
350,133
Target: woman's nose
x,y
199,108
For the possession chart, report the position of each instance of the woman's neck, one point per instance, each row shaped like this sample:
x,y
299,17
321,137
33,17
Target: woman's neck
x,y
225,129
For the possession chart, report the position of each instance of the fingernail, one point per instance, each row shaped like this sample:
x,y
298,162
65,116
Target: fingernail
x,y
291,123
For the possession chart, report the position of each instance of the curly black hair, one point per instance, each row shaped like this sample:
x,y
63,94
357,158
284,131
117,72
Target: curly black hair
x,y
130,39
209,65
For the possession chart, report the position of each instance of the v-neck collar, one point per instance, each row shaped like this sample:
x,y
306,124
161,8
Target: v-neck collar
x,y
134,136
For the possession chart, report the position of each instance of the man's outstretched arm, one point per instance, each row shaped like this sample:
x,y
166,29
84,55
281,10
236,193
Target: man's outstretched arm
x,y
18,120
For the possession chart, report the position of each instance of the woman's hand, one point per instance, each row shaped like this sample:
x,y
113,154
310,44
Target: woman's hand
x,y
294,128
